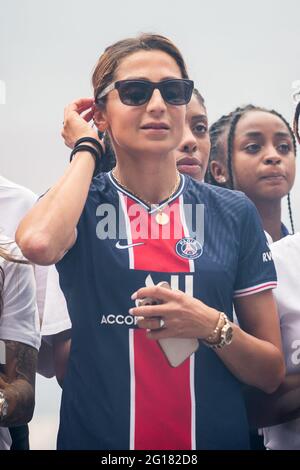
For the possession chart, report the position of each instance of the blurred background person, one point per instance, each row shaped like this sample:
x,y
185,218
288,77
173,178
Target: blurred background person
x,y
19,343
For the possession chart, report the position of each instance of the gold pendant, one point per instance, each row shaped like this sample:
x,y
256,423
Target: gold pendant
x,y
162,218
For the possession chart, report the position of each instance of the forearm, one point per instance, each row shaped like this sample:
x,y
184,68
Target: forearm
x,y
17,382
48,229
253,361
20,398
280,407
61,352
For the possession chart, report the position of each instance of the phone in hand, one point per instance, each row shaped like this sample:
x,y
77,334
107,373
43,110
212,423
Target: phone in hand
x,y
176,350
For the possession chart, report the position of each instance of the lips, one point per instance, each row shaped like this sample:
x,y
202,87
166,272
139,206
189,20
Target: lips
x,y
155,125
187,160
191,166
273,176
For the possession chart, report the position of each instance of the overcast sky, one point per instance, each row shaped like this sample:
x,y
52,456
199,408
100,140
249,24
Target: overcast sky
x,y
237,52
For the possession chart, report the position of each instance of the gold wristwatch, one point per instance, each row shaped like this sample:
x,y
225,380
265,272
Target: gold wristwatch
x,y
222,334
3,405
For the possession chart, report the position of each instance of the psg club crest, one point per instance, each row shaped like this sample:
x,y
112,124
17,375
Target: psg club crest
x,y
189,248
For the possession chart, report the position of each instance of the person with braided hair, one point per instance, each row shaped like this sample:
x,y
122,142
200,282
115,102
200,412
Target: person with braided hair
x,y
283,408
253,150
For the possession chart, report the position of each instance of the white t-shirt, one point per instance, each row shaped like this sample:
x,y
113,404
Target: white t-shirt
x,y
15,201
56,316
19,320
286,255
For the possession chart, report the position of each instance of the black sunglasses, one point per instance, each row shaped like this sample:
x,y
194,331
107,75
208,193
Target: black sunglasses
x,y
138,92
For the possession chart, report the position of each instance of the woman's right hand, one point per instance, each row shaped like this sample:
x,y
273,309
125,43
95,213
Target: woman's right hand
x,y
77,116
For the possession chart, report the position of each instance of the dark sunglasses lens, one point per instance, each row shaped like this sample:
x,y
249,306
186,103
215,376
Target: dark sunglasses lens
x,y
134,93
177,92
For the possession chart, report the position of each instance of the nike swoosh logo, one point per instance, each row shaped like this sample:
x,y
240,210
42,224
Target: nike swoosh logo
x,y
123,247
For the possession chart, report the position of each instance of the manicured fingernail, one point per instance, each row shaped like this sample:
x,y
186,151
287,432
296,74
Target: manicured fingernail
x,y
134,296
130,311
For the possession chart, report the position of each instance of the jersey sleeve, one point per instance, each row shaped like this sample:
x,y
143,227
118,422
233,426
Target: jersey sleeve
x,y
256,271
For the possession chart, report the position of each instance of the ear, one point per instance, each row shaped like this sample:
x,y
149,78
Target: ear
x,y
100,119
219,172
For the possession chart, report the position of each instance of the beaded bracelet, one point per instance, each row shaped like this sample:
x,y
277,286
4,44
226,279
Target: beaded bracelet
x,y
213,337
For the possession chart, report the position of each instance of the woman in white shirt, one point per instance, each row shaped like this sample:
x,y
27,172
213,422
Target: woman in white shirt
x,y
19,339
280,412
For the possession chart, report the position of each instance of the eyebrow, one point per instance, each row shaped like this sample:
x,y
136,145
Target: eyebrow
x,y
259,134
199,116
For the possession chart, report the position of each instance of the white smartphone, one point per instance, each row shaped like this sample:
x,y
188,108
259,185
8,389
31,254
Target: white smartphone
x,y
176,350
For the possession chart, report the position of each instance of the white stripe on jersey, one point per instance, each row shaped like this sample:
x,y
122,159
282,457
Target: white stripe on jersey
x,y
185,229
255,289
128,230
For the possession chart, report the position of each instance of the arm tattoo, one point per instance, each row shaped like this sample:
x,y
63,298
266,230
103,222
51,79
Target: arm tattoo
x,y
17,381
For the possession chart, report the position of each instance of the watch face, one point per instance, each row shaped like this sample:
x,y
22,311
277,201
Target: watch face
x,y
3,408
228,334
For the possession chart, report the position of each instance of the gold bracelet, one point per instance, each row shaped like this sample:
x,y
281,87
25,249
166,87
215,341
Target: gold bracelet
x,y
213,338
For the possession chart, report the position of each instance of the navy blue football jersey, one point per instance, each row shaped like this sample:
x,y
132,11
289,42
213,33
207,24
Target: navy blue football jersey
x,y
120,391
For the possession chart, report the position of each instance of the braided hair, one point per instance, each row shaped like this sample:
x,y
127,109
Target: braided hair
x,y
228,123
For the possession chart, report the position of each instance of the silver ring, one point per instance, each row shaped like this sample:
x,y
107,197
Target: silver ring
x,y
161,323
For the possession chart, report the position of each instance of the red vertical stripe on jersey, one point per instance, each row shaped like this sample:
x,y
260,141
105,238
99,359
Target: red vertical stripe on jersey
x,y
162,393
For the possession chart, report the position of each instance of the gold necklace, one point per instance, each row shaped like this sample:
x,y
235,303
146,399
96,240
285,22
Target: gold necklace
x,y
161,217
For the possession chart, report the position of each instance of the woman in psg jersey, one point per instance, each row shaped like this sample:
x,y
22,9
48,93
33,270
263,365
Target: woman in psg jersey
x,y
116,236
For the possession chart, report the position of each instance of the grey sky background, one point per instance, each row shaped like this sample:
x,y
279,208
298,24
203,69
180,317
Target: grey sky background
x,y
237,52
